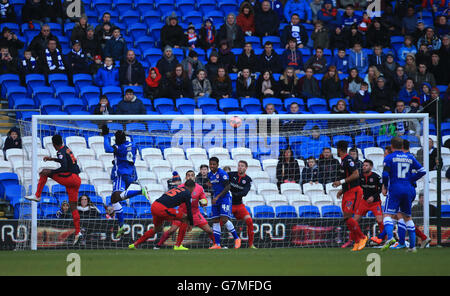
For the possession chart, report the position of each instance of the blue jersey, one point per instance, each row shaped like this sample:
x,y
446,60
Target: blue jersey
x,y
218,181
124,158
398,170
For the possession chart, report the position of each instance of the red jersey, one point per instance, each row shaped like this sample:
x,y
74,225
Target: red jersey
x,y
196,196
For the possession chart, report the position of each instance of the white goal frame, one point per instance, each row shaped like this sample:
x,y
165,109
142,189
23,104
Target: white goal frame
x,y
36,119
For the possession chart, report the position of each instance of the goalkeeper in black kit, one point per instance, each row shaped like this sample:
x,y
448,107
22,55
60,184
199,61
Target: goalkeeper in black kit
x,y
240,185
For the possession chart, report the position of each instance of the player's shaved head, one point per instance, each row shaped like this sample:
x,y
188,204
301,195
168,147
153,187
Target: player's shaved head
x,y
214,159
120,137
57,140
406,145
342,146
397,143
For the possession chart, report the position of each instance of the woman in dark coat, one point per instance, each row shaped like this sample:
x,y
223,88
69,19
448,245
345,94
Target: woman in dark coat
x,y
180,85
288,170
13,140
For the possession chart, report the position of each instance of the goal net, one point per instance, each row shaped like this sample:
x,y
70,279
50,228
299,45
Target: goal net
x,y
292,206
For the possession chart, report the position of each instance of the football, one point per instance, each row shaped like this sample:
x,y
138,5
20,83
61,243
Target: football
x,y
235,121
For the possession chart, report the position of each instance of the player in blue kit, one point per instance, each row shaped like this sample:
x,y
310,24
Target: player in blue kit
x,y
221,203
123,173
398,180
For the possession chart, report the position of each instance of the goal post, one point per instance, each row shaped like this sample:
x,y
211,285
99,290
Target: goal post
x,y
265,135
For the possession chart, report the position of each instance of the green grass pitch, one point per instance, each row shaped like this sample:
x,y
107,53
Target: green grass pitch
x,y
261,262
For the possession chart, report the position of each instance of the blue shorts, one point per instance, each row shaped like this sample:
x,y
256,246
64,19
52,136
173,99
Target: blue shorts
x,y
222,208
399,200
122,182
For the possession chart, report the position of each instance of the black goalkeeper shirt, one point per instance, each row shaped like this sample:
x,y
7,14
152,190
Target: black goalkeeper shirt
x,y
239,187
371,185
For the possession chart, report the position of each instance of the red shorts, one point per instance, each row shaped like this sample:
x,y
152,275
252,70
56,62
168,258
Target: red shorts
x,y
363,207
199,220
350,199
239,211
162,213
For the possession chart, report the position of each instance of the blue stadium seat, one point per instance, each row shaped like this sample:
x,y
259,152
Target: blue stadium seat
x,y
331,211
193,16
129,17
129,213
65,92
254,40
49,201
251,105
144,5
274,39
123,5
23,211
13,91
338,138
86,189
90,93
445,128
263,212
13,191
157,127
135,127
163,105
143,212
186,6
228,6
139,201
299,101
50,106
206,6
383,141
316,105
413,140
207,105
7,80
445,211
164,6
285,212
136,31
58,191
228,104
163,142
137,90
364,141
185,105
102,5
278,103
45,190
308,212
23,102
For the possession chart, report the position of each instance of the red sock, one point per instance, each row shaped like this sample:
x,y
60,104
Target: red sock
x,y
164,237
354,227
76,221
181,233
381,226
41,184
250,232
211,237
148,234
351,236
420,234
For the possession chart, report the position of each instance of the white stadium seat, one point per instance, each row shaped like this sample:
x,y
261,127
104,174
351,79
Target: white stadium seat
x,y
146,177
5,166
163,177
259,177
49,145
174,154
96,142
98,178
103,190
376,155
141,165
159,165
270,166
84,154
332,191
149,154
16,155
155,191
289,189
219,152
319,200
91,166
182,166
74,142
253,200
312,189
241,153
267,189
196,154
275,200
232,163
298,200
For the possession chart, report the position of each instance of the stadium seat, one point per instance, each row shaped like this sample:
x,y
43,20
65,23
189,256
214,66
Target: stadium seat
x,y
383,141
345,138
299,101
143,212
275,200
364,141
228,105
285,211
259,177
312,189
129,213
278,103
308,212
445,211
207,105
185,105
206,6
317,105
251,105
331,211
163,105
266,189
321,199
263,212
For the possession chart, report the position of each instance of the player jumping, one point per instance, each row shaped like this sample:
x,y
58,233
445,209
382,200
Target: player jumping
x,y
221,203
123,173
66,175
240,186
398,180
198,197
163,210
352,194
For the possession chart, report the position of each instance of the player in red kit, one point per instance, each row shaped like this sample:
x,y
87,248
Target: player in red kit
x,y
66,175
163,209
351,194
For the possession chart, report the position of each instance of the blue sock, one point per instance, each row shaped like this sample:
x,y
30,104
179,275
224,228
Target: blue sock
x,y
231,229
382,234
119,213
401,231
388,227
411,233
217,232
130,193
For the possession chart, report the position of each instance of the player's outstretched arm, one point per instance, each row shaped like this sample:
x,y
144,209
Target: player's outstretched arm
x,y
106,140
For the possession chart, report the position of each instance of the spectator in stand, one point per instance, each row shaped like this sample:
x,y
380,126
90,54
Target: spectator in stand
x,y
104,35
266,86
317,62
330,16
212,66
349,18
410,65
296,30
191,37
292,57
422,75
399,79
172,34
246,84
153,85
358,59
320,36
382,97
33,12
371,77
409,22
269,59
167,63
441,25
308,85
106,19
191,64
430,39
417,210
331,84
338,38
354,153
246,19
432,160
354,36
90,44
290,125
408,47
201,86
407,92
207,35
439,69
255,4
365,24
96,65
231,32
103,107
116,47
339,108
180,85
278,7
299,7
388,68
425,93
423,56
266,21
69,11
203,180
86,208
404,127
288,84
28,65
108,75
51,59
288,170
362,102
77,61
340,61
13,140
39,43
430,107
227,57
79,31
53,11
328,167
316,6
377,35
352,83
310,173
7,12
444,51
9,39
221,85
130,105
378,58
247,59
131,72
420,31
64,212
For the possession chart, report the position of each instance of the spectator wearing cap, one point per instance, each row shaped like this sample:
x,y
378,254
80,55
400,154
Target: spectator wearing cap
x,y
108,75
296,30
191,64
388,68
116,47
246,18
104,34
10,40
172,34
7,13
90,44
131,72
167,63
207,35
39,42
80,29
212,66
231,32
420,30
191,36
77,61
174,181
267,21
381,96
96,65
130,104
51,59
